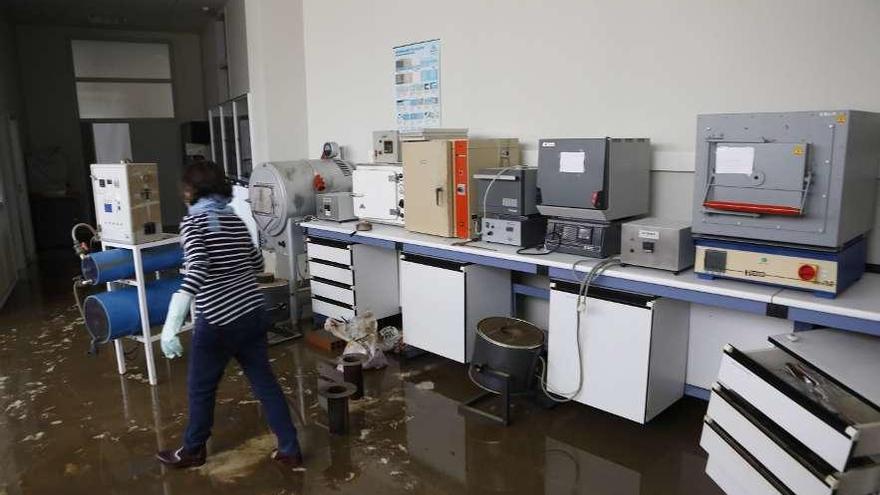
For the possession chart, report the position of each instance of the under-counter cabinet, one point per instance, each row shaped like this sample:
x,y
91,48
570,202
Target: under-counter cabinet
x,y
442,302
784,420
349,279
633,350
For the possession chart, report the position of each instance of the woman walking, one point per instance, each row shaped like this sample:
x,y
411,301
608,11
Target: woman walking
x,y
221,264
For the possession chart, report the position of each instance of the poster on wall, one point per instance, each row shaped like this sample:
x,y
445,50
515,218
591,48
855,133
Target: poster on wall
x,y
417,85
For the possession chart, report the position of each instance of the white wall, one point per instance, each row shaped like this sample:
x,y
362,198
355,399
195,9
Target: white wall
x,y
590,68
277,78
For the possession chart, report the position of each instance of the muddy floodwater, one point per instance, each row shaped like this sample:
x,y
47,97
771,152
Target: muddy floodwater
x,y
69,424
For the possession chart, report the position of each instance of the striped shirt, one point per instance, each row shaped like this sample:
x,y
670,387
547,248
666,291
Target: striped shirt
x,y
221,266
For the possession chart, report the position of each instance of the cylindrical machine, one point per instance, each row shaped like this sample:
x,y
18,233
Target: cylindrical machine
x,y
114,314
276,298
115,264
507,345
282,190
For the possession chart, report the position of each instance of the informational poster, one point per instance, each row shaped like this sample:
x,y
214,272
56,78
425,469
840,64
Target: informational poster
x,y
417,85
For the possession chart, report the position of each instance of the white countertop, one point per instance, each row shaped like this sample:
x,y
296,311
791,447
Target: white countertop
x,y
686,280
861,300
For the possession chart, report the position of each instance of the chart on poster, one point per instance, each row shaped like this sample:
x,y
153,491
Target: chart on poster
x,y
417,85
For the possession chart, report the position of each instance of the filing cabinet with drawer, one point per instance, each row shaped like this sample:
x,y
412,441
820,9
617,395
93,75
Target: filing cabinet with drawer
x,y
803,417
349,279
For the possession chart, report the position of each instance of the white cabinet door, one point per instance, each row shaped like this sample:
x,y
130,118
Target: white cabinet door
x,y
615,347
433,303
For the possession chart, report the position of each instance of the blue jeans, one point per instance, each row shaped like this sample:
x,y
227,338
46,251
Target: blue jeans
x,y
212,347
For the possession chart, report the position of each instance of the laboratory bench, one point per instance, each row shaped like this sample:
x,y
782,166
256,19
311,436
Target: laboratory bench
x,y
856,309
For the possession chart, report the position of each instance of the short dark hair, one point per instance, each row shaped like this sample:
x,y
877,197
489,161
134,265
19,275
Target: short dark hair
x,y
206,178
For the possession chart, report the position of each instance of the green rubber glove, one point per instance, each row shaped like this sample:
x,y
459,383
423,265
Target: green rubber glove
x,y
177,311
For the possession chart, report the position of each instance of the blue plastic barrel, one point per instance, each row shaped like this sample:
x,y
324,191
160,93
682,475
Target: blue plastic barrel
x,y
114,314
115,264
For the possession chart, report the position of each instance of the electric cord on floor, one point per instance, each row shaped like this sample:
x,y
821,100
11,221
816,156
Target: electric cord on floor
x,y
581,311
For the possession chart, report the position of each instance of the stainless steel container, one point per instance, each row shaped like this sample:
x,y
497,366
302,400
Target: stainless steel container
x,y
506,345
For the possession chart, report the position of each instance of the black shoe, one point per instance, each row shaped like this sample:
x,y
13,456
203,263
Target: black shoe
x,y
294,461
178,459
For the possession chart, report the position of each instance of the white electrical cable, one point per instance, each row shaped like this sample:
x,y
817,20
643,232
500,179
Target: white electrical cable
x,y
486,196
581,309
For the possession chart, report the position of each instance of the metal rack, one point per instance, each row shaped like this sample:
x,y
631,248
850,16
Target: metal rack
x,y
146,338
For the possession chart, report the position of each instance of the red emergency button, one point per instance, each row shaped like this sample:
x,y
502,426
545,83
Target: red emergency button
x,y
808,273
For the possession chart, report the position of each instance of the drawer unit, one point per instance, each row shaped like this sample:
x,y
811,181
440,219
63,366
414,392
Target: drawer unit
x,y
802,417
349,279
333,291
848,428
733,469
633,350
792,463
442,302
332,251
331,272
331,309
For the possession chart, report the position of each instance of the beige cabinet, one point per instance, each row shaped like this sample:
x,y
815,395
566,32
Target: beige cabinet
x,y
438,178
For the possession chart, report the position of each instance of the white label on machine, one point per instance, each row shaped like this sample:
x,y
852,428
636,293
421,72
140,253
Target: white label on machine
x,y
653,235
572,162
734,160
509,202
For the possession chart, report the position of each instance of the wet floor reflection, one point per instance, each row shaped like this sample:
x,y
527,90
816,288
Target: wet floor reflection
x,y
70,424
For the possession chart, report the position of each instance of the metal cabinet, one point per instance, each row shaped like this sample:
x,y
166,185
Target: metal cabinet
x,y
780,423
633,350
438,178
442,302
378,194
348,279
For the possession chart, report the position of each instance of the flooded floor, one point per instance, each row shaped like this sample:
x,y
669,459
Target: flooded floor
x,y
70,424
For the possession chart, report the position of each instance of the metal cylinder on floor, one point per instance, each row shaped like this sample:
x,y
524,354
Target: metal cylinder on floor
x,y
115,264
353,372
114,314
337,395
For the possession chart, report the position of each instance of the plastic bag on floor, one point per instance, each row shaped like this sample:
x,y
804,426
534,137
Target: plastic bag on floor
x,y
361,336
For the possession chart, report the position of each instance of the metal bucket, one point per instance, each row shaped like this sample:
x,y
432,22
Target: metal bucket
x,y
276,298
115,264
114,314
507,345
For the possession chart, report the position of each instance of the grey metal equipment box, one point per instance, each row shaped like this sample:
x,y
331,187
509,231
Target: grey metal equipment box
x,y
336,206
807,178
513,192
386,147
657,243
600,179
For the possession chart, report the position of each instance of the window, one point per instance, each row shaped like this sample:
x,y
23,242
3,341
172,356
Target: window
x,y
123,80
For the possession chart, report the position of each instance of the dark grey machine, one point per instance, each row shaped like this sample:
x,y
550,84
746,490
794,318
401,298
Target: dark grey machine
x,y
510,196
588,185
600,179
